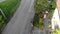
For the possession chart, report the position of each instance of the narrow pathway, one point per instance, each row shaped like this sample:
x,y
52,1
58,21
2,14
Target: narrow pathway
x,y
21,18
46,24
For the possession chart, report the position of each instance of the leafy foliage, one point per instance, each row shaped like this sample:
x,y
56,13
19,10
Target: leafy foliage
x,y
8,7
51,10
40,7
57,31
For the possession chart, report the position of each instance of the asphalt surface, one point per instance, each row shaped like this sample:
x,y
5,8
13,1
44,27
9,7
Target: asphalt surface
x,y
21,18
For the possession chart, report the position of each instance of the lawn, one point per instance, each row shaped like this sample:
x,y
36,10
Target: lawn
x,y
8,7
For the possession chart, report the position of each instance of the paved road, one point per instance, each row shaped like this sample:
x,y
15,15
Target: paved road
x,y
23,15
1,1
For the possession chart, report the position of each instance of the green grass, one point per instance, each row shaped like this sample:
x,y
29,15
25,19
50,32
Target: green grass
x,y
9,7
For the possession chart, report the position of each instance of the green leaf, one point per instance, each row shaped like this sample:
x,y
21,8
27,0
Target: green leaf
x,y
0,17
